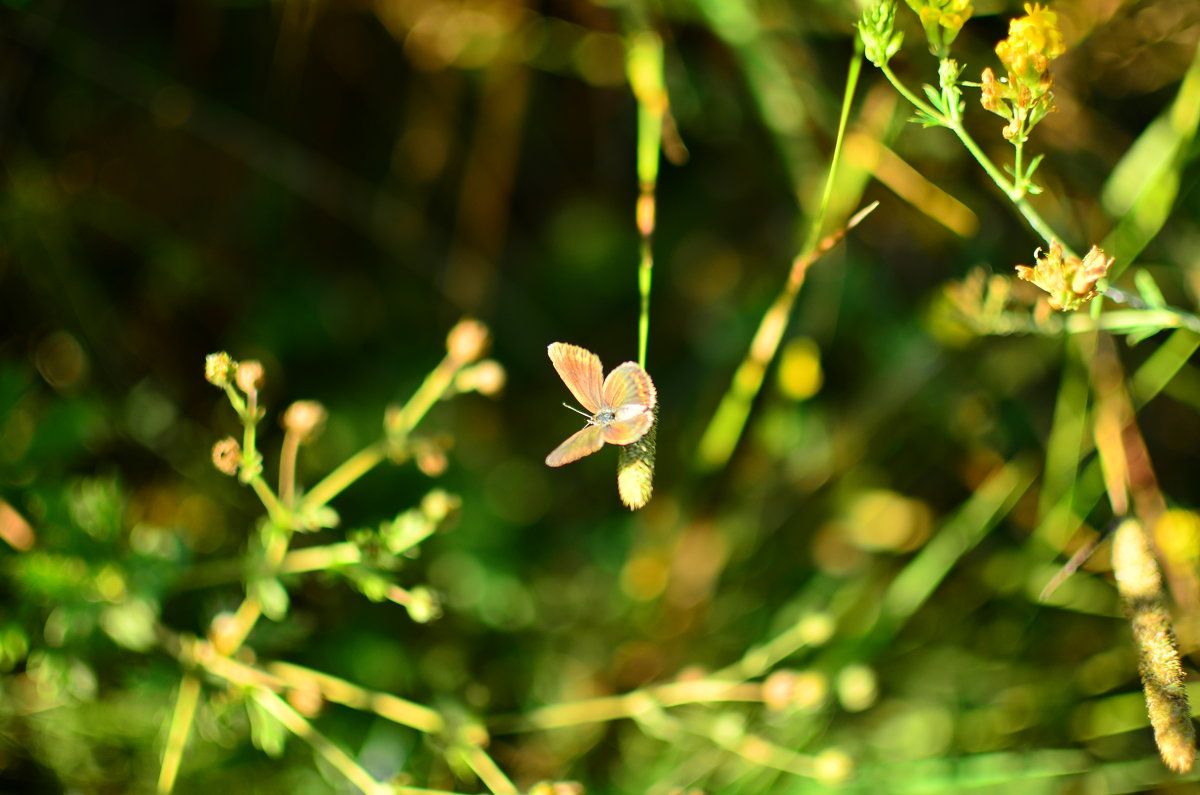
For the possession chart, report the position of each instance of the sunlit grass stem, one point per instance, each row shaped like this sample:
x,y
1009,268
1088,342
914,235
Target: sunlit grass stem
x,y
728,421
335,756
177,735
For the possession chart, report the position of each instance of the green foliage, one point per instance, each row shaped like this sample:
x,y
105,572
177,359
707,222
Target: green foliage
x,y
340,565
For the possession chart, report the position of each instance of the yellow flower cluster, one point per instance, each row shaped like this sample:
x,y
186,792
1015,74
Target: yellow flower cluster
x,y
1024,98
1034,40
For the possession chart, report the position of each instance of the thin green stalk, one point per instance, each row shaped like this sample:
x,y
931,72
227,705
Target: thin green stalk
x,y
299,726
340,691
275,509
177,735
729,420
990,503
346,474
916,101
814,231
644,65
1014,192
488,771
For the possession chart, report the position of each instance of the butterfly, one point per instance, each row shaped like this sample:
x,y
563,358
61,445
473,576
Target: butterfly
x,y
621,405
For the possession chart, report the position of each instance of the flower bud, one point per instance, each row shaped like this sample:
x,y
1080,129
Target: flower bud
x,y
486,378
227,456
249,376
305,418
219,368
467,341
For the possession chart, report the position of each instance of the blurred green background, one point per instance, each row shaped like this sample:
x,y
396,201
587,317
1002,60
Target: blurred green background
x,y
329,186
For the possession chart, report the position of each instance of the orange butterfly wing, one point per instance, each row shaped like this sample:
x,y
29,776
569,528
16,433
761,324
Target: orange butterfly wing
x,y
631,395
580,370
629,428
629,384
577,445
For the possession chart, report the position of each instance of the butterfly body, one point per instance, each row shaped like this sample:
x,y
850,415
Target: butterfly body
x,y
621,406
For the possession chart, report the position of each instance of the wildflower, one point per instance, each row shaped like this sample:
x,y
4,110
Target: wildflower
x,y
219,368
1070,282
1023,96
1033,41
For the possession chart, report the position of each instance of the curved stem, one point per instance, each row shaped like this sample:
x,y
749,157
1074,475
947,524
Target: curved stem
x,y
920,104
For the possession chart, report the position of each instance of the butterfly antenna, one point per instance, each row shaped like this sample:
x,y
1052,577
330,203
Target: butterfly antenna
x,y
578,411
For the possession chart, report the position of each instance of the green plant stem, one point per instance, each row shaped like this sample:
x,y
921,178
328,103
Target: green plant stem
x,y
299,726
339,479
1014,192
488,771
339,691
729,420
814,230
440,379
916,101
630,705
644,67
275,509
289,450
1134,319
177,735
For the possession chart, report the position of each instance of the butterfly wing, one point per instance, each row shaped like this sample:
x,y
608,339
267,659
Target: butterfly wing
x,y
580,370
581,443
631,424
629,384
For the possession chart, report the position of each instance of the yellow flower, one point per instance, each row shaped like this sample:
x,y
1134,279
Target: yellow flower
x,y
1033,41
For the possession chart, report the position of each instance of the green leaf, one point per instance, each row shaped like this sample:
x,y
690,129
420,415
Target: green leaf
x,y
1148,288
267,733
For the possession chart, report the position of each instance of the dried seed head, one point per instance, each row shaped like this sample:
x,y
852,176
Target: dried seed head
x,y
1140,585
467,341
249,376
305,418
227,456
635,468
219,368
1070,282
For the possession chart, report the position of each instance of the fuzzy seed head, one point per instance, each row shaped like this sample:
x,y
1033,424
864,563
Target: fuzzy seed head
x,y
1140,585
635,468
219,368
